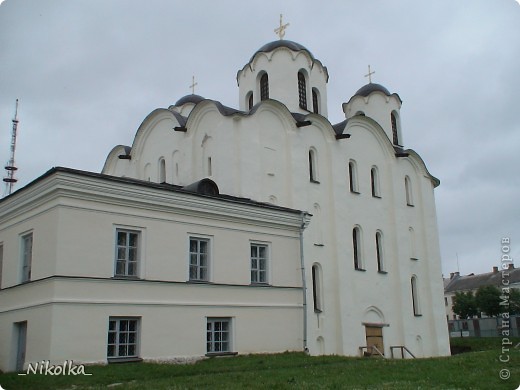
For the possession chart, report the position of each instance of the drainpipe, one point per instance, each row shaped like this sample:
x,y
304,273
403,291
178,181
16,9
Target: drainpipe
x,y
303,225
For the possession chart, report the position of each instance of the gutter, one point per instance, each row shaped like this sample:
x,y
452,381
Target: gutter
x,y
304,223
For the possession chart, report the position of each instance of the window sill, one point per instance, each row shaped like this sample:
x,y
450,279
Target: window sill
x,y
319,245
314,181
414,258
355,192
126,277
133,359
318,311
198,281
217,354
382,272
417,315
376,196
360,269
259,284
410,205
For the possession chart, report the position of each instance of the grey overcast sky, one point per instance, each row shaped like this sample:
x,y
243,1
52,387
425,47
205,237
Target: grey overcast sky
x,y
87,72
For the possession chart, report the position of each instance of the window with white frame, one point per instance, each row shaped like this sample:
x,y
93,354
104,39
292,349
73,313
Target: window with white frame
x,y
218,335
259,259
127,252
123,338
199,259
27,253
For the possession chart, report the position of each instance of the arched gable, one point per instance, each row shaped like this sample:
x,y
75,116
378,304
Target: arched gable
x,y
112,161
371,126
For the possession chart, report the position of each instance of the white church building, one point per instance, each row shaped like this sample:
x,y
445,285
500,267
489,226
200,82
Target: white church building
x,y
262,228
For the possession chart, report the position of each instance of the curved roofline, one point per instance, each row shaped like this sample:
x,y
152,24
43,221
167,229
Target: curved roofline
x,y
370,88
273,46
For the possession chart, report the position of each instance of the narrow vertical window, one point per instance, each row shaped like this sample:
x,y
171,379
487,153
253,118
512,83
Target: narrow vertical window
x,y
395,136
199,259
408,190
27,252
123,337
356,248
352,177
379,252
259,258
313,176
218,335
162,170
250,101
302,90
210,172
127,253
264,87
415,297
316,289
315,107
374,181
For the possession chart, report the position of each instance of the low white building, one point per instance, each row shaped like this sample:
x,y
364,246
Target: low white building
x,y
371,273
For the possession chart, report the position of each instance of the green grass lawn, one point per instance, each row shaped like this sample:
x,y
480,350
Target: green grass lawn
x,y
478,369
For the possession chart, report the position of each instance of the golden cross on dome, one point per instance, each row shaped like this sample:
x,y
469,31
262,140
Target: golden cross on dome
x,y
369,75
193,84
280,31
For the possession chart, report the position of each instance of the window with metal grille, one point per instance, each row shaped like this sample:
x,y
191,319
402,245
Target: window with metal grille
x,y
122,337
264,87
394,129
218,335
302,90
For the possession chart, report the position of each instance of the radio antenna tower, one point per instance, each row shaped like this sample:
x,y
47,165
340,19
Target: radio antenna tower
x,y
10,167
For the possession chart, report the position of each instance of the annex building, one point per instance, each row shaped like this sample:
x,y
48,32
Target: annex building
x,y
219,230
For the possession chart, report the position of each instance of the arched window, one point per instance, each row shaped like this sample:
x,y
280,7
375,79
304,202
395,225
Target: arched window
x,y
413,254
315,101
250,100
408,189
352,177
374,181
316,289
302,90
356,248
162,170
395,135
264,87
379,252
415,297
313,168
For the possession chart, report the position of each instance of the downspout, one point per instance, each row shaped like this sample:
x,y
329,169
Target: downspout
x,y
303,225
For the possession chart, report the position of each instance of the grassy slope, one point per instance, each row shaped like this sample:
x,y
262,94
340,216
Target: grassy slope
x,y
477,370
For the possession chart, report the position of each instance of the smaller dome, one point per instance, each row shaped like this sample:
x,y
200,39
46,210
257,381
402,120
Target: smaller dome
x,y
189,99
372,87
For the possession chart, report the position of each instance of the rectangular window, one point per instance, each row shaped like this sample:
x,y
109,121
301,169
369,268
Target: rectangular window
x,y
123,337
218,335
127,252
259,257
199,259
27,248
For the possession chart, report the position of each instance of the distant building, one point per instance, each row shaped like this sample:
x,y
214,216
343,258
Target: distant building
x,y
150,260
457,283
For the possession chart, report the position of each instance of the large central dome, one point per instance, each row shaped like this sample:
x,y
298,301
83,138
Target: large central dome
x,y
282,43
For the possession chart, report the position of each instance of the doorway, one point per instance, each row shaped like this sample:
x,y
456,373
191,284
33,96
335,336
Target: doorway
x,y
374,335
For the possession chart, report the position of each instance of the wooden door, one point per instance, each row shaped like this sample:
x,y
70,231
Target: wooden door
x,y
375,338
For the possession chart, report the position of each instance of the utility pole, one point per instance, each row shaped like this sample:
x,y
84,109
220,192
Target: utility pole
x,y
11,167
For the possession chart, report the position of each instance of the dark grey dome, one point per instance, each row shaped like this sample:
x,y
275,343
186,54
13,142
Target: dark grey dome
x,y
189,99
281,43
372,87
